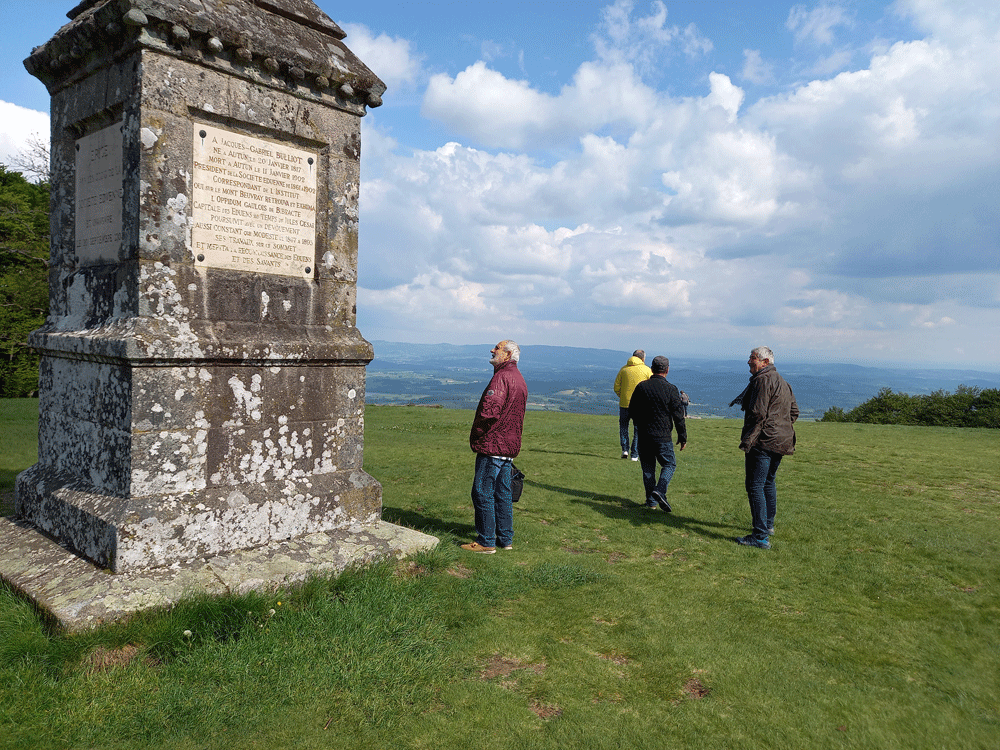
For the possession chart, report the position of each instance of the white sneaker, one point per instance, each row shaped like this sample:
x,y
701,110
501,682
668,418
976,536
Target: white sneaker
x,y
636,458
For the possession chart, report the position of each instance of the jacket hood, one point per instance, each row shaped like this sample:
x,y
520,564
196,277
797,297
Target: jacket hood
x,y
633,361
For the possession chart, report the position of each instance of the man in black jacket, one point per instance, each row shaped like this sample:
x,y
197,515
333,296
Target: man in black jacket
x,y
656,409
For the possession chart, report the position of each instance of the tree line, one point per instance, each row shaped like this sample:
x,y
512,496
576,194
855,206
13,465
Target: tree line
x,y
24,282
966,407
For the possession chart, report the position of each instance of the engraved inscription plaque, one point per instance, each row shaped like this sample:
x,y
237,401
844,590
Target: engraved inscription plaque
x,y
99,196
254,204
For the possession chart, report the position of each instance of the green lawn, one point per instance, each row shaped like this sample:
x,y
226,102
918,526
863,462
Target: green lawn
x,y
872,623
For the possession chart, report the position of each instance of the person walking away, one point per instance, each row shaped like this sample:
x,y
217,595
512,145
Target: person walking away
x,y
657,410
769,411
496,440
633,373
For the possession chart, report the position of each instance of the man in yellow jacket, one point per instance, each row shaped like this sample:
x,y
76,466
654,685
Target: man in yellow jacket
x,y
633,373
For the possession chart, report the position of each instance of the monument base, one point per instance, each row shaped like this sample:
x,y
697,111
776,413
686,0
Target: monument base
x,y
78,595
129,534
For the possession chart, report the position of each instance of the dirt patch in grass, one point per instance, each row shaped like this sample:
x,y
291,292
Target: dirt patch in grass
x,y
544,710
662,554
695,690
615,557
502,666
104,659
618,659
411,569
459,571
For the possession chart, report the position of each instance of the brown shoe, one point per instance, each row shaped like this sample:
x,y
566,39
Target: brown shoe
x,y
477,547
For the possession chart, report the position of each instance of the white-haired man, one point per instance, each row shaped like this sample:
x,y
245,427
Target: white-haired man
x,y
496,440
769,411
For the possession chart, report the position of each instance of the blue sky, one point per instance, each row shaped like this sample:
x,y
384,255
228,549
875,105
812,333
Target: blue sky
x,y
691,178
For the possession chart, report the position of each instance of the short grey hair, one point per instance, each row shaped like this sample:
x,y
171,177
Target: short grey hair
x,y
640,354
514,349
763,353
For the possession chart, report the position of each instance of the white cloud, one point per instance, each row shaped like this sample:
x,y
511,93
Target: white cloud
x,y
755,70
391,59
496,111
817,24
17,126
645,41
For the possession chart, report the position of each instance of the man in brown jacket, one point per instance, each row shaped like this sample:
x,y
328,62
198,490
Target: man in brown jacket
x,y
769,411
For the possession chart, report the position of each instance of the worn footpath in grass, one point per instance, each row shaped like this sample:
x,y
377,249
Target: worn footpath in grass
x,y
872,623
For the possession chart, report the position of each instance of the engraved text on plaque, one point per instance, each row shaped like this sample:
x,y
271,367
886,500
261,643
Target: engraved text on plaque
x,y
254,204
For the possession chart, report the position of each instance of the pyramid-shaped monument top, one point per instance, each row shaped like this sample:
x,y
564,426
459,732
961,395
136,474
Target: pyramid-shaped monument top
x,y
281,39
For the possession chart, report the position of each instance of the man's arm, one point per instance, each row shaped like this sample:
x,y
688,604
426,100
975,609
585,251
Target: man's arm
x,y
492,406
637,406
677,415
756,413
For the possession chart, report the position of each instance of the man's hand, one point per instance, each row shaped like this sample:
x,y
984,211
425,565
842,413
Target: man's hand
x,y
680,446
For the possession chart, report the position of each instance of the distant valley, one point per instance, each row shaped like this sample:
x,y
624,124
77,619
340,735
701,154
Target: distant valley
x,y
562,378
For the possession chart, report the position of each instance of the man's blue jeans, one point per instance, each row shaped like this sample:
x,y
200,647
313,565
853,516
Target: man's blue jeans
x,y
623,433
492,501
761,466
652,452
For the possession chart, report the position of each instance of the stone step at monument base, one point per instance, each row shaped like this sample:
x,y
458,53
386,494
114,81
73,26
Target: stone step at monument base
x,y
132,534
78,595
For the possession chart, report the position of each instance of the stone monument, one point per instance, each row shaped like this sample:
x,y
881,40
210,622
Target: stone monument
x,y
202,383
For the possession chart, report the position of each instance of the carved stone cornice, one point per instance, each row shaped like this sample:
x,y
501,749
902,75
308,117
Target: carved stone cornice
x,y
247,38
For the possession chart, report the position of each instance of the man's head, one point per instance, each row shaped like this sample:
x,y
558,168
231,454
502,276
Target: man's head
x,y
660,365
640,354
504,352
760,358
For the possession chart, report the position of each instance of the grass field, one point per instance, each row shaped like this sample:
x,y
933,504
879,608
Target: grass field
x,y
873,622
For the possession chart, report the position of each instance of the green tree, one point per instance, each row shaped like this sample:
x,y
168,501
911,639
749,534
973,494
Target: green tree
x,y
943,409
834,414
984,411
886,408
24,287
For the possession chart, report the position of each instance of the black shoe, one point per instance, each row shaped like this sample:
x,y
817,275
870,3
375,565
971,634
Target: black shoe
x,y
660,500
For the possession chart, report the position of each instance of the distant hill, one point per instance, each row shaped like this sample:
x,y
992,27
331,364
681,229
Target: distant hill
x,y
565,378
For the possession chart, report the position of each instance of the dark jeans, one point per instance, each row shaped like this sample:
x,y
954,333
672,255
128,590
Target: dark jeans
x,y
492,501
761,466
623,433
652,452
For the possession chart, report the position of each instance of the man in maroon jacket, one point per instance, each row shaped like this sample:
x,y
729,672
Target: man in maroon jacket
x,y
496,441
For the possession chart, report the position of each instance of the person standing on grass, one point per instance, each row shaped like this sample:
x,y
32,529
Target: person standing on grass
x,y
656,409
633,373
496,441
769,411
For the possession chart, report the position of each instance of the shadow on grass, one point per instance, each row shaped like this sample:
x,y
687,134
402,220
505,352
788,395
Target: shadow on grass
x,y
589,454
7,477
621,508
426,524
